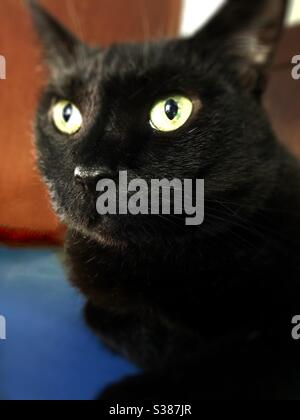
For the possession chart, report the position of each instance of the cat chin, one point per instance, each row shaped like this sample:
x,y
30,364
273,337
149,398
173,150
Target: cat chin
x,y
104,239
112,233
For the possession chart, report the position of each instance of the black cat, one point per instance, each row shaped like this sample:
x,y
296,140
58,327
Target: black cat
x,y
206,310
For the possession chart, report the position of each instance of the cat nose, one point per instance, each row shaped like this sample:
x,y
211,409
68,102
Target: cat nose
x,y
89,178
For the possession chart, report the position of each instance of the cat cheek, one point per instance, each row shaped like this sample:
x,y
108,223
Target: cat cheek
x,y
54,198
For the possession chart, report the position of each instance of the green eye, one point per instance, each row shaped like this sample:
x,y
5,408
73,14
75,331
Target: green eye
x,y
171,113
67,117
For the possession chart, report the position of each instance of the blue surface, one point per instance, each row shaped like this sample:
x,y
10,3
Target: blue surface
x,y
49,353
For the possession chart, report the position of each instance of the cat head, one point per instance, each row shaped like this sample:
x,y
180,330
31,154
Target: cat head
x,y
184,108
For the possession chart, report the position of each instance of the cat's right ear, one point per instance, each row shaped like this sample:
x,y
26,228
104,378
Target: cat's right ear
x,y
247,34
61,48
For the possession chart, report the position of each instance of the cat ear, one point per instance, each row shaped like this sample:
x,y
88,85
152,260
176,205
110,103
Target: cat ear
x,y
248,32
61,47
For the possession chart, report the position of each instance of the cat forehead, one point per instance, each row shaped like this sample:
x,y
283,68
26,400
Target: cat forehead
x,y
141,58
134,67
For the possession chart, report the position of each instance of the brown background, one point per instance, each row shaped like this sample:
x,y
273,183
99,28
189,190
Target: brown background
x,y
283,96
23,200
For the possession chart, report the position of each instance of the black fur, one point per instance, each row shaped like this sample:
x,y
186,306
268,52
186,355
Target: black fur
x,y
204,311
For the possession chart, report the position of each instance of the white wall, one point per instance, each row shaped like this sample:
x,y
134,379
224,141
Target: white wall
x,y
294,15
197,12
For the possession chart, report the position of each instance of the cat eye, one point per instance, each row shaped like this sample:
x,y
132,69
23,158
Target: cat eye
x,y
66,117
171,113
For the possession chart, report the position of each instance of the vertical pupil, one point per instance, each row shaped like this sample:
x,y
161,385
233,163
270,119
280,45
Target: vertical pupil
x,y
67,113
171,109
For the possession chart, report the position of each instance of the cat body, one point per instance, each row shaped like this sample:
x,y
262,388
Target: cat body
x,y
195,308
204,311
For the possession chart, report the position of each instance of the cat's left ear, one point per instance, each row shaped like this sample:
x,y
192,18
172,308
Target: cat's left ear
x,y
61,47
247,32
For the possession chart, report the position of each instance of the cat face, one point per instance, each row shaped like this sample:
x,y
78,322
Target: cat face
x,y
182,109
